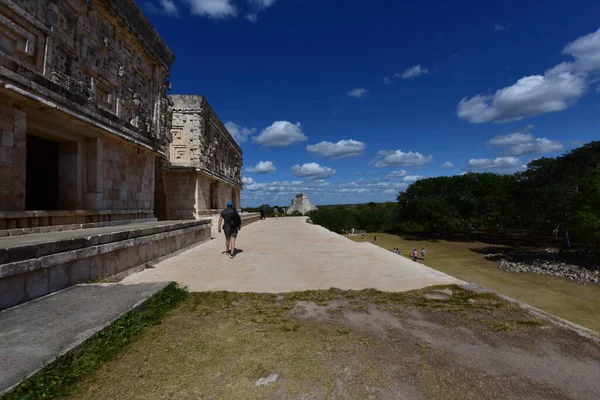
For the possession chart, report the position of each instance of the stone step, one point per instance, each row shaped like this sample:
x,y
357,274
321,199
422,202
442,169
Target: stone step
x,y
19,248
35,265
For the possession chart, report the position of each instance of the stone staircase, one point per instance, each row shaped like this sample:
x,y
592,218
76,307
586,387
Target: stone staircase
x,y
35,265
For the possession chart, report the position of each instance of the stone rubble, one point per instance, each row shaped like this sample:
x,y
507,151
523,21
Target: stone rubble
x,y
268,380
572,272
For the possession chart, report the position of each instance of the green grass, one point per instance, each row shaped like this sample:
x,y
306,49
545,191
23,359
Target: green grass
x,y
60,377
573,301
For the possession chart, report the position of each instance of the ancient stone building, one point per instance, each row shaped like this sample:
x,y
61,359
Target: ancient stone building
x,y
202,171
83,111
301,205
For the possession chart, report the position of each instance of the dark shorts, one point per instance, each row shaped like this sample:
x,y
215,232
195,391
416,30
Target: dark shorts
x,y
230,233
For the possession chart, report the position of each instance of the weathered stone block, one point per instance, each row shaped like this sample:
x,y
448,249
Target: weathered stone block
x,y
6,122
58,278
12,291
103,266
36,284
7,138
80,272
6,155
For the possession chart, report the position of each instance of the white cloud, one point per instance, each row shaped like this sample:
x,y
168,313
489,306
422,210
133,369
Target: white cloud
x,y
312,171
239,133
412,178
413,72
524,142
557,89
500,27
529,96
511,139
257,7
399,158
586,51
263,167
447,164
499,165
263,3
247,181
357,93
218,9
342,149
165,7
397,174
538,146
281,134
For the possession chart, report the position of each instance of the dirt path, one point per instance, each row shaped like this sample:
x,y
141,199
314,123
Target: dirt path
x,y
287,254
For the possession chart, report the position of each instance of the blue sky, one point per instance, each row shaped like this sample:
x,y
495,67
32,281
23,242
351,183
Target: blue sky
x,y
349,101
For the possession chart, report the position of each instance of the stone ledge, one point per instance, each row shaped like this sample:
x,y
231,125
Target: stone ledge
x,y
70,227
11,222
48,246
68,213
30,279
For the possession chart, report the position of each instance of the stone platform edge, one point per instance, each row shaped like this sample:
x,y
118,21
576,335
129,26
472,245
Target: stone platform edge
x,y
34,278
87,335
71,227
52,247
546,316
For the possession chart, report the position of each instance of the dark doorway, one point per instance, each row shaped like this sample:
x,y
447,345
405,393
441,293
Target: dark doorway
x,y
42,174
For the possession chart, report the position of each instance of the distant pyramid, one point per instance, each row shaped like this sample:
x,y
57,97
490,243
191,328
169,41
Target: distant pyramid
x,y
301,204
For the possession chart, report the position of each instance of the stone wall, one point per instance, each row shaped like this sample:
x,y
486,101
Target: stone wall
x,y
202,170
12,157
128,176
100,58
200,140
181,200
190,194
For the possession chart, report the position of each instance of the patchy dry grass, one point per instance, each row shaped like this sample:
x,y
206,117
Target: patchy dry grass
x,y
435,343
465,260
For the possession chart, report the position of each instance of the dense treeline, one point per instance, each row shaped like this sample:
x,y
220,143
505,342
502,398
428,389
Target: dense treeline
x,y
558,196
371,217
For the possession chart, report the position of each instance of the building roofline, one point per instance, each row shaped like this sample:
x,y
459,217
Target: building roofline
x,y
198,103
138,24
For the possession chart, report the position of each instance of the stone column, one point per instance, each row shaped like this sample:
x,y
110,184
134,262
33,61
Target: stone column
x,y
13,143
93,174
68,176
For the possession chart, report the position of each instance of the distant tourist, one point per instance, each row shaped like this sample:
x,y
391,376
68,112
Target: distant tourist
x,y
262,212
363,235
375,238
232,223
396,250
276,212
283,212
423,252
415,255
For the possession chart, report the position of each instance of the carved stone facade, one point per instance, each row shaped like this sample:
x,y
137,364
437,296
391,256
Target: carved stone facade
x,y
204,163
84,111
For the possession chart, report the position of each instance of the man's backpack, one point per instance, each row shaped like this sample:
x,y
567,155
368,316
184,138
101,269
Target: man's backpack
x,y
232,219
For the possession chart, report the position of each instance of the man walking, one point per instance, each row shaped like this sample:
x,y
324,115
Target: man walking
x,y
262,212
232,222
276,212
